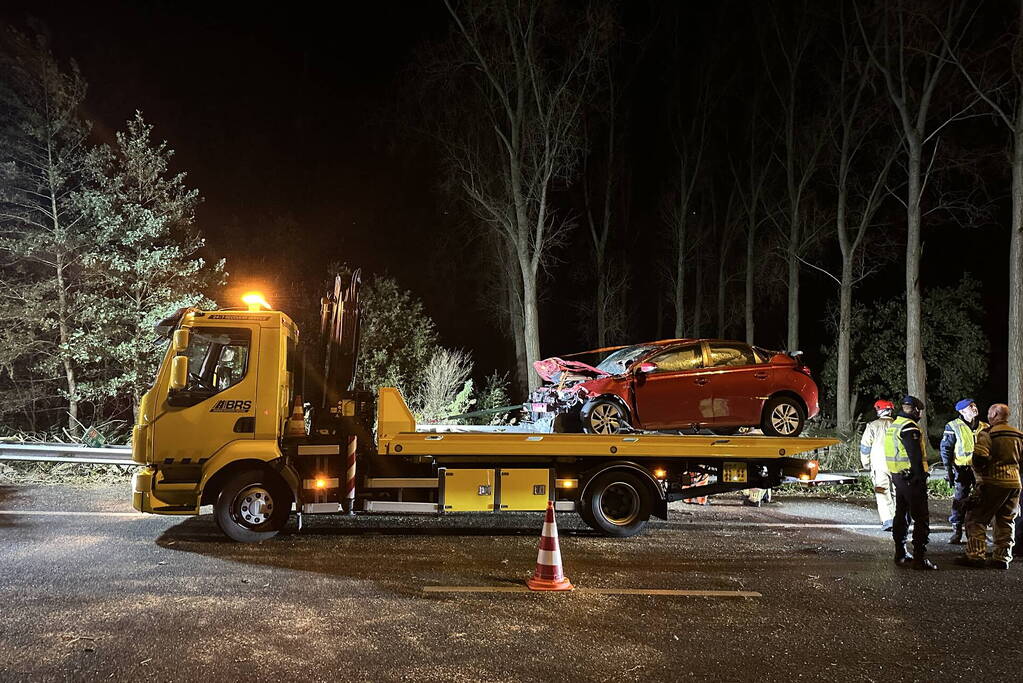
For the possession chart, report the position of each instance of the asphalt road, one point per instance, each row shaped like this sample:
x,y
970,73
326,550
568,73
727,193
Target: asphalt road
x,y
112,595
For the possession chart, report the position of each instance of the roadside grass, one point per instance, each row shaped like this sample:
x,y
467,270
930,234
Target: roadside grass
x,y
937,489
63,474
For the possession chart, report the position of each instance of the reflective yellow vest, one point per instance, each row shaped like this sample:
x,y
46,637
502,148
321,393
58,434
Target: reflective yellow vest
x,y
966,439
894,452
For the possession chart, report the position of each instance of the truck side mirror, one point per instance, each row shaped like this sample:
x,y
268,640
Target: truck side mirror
x,y
181,338
644,368
179,371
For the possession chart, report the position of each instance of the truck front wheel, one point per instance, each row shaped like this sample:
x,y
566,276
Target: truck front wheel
x,y
253,506
617,504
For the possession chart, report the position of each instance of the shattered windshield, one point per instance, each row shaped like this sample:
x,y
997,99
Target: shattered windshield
x,y
620,360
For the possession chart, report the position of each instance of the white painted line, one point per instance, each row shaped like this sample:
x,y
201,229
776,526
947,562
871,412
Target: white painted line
x,y
796,525
597,591
72,513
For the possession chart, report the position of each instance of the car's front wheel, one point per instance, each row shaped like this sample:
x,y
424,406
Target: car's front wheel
x,y
604,416
783,416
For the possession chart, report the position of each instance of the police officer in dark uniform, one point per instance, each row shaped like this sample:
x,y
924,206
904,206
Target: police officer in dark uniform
x,y
906,455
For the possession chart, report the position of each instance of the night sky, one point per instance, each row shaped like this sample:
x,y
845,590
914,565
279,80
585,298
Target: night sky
x,y
298,127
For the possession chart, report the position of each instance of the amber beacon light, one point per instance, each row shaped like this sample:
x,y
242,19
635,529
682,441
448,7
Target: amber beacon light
x,y
255,301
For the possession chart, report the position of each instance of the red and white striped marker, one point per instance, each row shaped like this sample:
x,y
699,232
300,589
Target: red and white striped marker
x,y
549,576
349,501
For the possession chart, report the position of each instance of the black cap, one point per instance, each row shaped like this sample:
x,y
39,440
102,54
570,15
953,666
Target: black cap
x,y
908,400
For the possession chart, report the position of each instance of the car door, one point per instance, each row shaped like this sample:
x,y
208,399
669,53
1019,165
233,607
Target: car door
x,y
741,383
677,392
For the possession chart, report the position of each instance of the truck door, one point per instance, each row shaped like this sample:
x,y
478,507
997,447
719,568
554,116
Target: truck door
x,y
217,405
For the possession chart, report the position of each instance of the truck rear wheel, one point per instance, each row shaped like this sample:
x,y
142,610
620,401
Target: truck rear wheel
x,y
617,504
253,506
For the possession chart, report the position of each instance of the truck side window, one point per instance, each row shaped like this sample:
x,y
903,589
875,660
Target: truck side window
x,y
218,358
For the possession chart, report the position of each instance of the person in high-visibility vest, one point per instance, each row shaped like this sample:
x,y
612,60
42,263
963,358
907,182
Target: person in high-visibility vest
x,y
906,455
996,460
957,455
872,457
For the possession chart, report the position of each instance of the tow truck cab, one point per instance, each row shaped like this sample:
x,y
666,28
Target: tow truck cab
x,y
219,400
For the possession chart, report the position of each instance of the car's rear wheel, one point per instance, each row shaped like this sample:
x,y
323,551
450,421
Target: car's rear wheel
x,y
783,416
618,503
253,506
604,416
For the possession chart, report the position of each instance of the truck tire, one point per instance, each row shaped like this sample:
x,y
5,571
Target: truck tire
x,y
783,416
618,503
253,506
584,513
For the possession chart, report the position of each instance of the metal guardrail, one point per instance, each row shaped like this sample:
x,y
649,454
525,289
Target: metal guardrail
x,y
66,452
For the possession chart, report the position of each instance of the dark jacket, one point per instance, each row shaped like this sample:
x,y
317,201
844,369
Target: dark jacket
x,y
911,440
996,457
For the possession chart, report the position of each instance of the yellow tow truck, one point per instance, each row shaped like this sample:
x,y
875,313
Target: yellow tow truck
x,y
218,428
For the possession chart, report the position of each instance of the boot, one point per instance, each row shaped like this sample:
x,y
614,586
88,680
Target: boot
x,y
998,564
902,556
957,535
921,562
972,562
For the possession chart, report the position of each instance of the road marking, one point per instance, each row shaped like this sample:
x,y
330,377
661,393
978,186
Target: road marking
x,y
798,525
694,525
72,513
596,591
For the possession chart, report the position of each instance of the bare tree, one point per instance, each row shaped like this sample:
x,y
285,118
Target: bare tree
x,y
1005,99
860,179
689,138
912,55
605,196
42,154
800,151
520,140
750,182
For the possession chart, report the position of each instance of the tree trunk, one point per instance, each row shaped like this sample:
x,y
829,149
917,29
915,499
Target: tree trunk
x,y
530,323
793,294
750,249
916,371
721,331
680,288
512,289
843,407
1015,342
602,302
698,299
65,351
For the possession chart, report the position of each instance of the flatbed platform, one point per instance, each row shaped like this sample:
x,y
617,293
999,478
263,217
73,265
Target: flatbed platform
x,y
397,435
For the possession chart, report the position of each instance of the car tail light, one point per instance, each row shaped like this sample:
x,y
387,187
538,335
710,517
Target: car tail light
x,y
805,370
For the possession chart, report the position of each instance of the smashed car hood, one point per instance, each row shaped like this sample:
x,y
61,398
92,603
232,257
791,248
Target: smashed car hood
x,y
551,369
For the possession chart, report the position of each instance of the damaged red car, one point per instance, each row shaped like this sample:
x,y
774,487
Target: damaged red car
x,y
677,385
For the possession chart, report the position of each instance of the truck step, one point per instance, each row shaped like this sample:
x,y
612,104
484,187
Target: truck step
x,y
401,482
394,506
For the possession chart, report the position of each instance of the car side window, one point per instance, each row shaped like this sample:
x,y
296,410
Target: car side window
x,y
684,358
731,355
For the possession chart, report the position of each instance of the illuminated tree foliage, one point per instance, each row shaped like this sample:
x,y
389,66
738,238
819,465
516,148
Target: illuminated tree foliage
x,y
43,233
955,349
144,262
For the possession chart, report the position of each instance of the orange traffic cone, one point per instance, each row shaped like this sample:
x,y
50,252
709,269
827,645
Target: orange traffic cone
x,y
549,576
296,423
